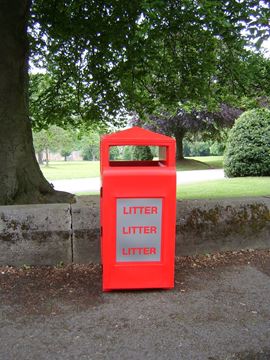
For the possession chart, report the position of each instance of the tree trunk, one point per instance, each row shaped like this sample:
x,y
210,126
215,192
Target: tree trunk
x,y
40,157
47,156
21,180
179,145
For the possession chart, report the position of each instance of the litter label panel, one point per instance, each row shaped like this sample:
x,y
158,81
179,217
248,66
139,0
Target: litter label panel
x,y
138,229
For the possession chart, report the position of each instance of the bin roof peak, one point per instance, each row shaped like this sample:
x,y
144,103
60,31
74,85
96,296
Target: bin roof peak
x,y
138,133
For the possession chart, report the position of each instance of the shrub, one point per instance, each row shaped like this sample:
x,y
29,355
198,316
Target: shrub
x,y
217,148
142,153
186,148
248,148
199,148
196,148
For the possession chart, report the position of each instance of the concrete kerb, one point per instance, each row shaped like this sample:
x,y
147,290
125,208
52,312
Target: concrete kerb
x,y
86,230
53,233
35,234
221,225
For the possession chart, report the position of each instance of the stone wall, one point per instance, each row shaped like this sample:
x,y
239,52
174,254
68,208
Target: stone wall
x,y
55,233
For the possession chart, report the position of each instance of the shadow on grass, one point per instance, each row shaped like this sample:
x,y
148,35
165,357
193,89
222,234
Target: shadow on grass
x,y
190,164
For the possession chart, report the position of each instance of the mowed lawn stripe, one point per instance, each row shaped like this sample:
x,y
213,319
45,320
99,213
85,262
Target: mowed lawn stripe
x,y
220,189
225,188
64,170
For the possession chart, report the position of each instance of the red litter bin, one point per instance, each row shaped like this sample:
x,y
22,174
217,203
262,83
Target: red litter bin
x,y
138,210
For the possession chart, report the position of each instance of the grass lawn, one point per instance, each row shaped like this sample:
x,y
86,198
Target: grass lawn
x,y
225,188
200,163
215,162
220,189
59,170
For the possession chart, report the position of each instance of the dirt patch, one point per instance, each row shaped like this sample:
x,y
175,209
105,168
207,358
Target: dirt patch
x,y
250,355
211,264
37,290
247,355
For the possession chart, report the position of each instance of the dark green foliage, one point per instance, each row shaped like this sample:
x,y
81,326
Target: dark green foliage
x,y
210,124
248,148
200,148
103,58
217,148
142,153
203,148
128,153
196,148
114,153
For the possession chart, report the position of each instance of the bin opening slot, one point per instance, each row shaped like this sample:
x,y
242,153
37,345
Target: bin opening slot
x,y
140,155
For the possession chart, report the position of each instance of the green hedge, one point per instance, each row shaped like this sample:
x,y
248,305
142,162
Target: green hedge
x,y
142,153
248,148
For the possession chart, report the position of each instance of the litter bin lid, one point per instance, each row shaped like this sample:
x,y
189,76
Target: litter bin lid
x,y
137,136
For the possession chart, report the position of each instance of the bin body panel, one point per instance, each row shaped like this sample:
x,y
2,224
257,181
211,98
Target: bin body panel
x,y
138,210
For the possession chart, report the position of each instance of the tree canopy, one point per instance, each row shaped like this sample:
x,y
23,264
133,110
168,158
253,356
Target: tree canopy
x,y
108,57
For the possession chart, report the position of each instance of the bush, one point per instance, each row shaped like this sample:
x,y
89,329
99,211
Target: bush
x,y
248,148
199,148
186,148
217,148
142,153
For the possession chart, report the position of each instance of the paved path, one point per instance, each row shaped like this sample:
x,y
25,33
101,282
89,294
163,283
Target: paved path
x,y
93,184
221,314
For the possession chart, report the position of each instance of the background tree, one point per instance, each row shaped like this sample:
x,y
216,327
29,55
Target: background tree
x,y
44,141
67,141
198,146
55,139
192,122
89,145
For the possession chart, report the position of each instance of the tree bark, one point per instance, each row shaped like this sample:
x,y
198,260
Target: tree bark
x,y
21,180
179,137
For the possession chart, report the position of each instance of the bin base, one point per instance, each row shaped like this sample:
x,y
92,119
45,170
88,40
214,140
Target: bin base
x,y
132,277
